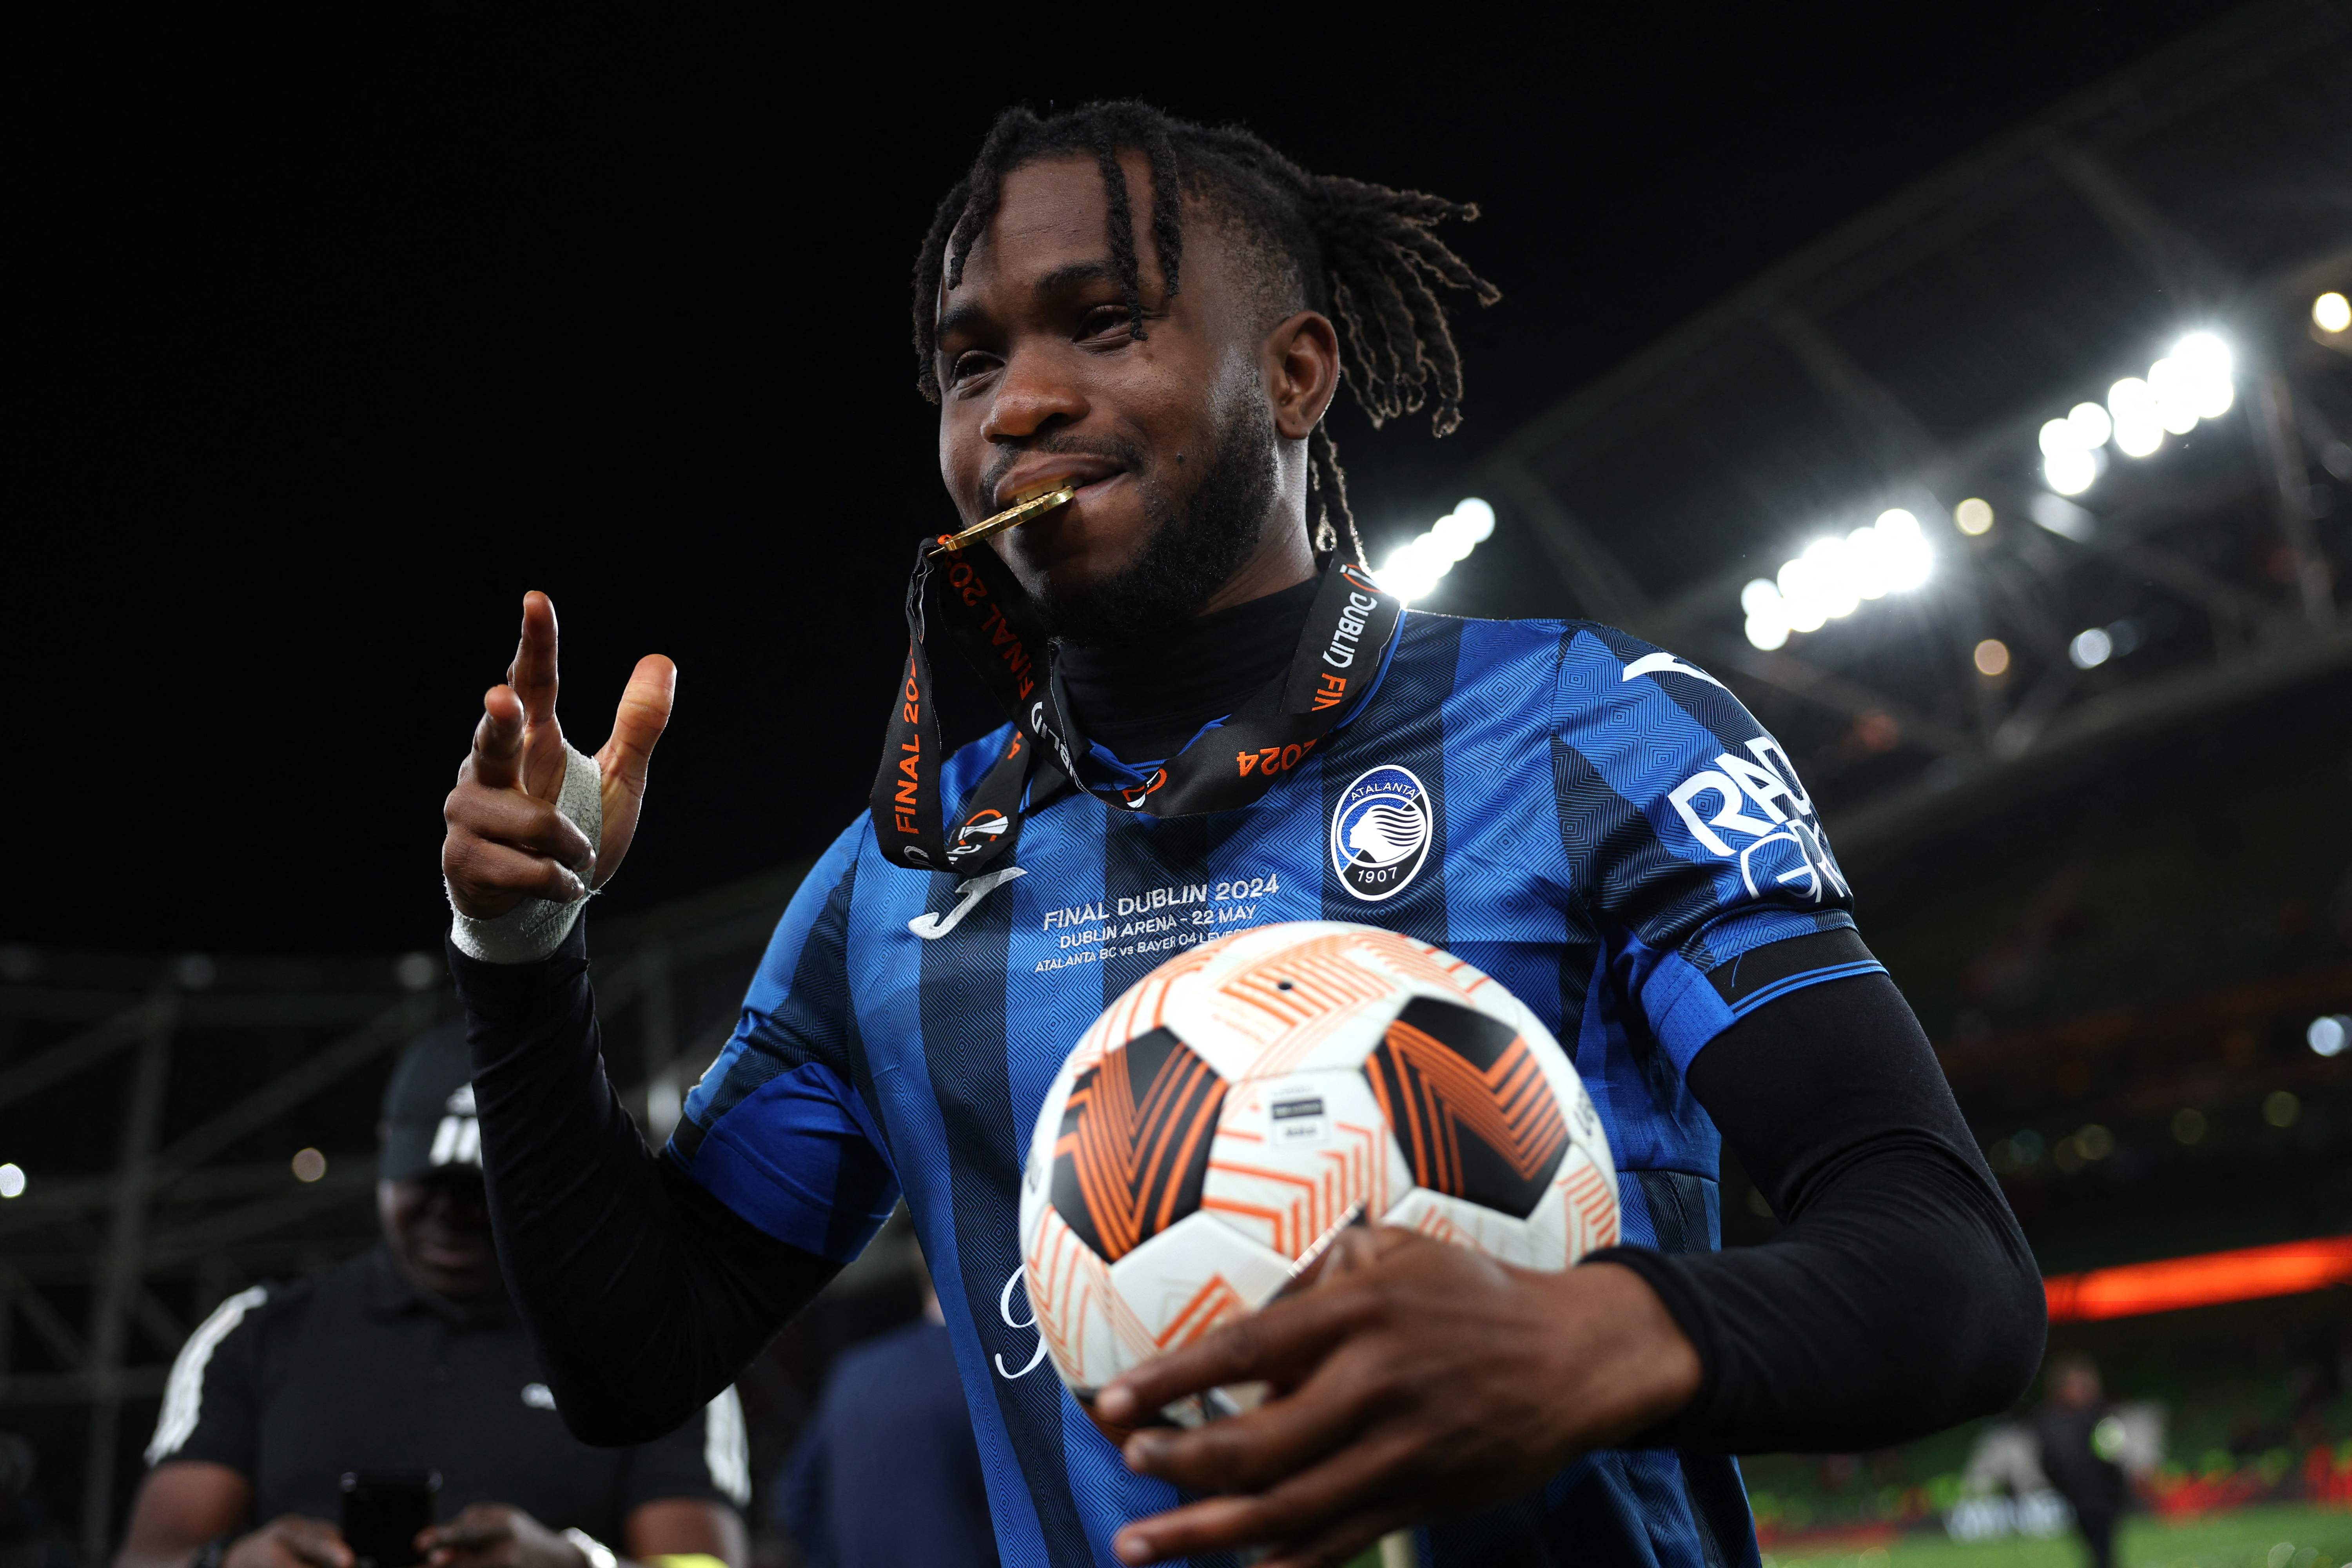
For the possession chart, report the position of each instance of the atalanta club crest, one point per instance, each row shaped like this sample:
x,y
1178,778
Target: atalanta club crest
x,y
1381,832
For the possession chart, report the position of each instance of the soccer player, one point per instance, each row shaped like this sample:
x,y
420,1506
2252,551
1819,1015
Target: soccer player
x,y
1160,314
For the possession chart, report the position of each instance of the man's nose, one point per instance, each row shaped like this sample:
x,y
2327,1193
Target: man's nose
x,y
1036,393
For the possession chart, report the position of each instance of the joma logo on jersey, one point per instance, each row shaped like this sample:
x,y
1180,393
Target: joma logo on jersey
x,y
1783,845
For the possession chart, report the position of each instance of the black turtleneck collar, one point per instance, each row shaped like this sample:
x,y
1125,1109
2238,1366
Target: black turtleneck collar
x,y
1143,700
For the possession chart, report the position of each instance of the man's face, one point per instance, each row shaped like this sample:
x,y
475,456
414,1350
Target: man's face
x,y
438,1227
1042,378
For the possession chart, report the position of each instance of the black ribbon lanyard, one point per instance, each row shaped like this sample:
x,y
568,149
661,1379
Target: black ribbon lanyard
x,y
1339,656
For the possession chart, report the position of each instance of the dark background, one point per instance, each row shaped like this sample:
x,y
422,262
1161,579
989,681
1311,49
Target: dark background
x,y
327,339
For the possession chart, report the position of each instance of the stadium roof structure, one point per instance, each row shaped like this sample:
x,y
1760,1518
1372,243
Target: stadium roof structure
x,y
1910,359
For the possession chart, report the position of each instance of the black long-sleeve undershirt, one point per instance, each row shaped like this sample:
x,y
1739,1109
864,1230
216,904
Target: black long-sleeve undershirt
x,y
645,1294
1899,1298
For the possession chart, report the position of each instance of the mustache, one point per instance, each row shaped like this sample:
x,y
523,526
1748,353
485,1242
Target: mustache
x,y
1128,454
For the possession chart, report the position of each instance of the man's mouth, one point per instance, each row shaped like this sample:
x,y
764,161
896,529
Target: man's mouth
x,y
1089,477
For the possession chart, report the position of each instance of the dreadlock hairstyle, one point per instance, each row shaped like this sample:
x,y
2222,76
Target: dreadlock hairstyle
x,y
1362,254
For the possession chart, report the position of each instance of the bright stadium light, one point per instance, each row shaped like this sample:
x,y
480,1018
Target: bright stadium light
x,y
1973,517
2176,394
2328,1035
2092,426
2207,362
1767,613
1910,561
12,1181
2069,473
2091,648
2196,381
1413,568
1834,576
2139,428
2331,313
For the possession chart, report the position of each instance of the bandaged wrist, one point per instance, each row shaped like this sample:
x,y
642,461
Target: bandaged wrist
x,y
537,927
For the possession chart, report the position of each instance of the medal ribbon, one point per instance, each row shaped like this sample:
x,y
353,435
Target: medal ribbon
x,y
1346,642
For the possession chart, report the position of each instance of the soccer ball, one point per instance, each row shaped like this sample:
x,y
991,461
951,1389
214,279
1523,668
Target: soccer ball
x,y
1247,1100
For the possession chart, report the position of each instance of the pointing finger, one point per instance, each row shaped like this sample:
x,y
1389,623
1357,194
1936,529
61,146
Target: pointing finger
x,y
532,674
498,739
643,713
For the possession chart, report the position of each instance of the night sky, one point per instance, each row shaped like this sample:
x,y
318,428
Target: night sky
x,y
326,340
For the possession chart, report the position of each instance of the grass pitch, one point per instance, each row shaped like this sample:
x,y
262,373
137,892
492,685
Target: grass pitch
x,y
2269,1535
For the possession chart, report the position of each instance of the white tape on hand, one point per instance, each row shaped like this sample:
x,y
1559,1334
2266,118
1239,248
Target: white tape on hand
x,y
537,927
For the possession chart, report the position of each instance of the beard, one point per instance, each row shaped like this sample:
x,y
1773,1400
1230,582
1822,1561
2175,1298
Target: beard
x,y
1191,550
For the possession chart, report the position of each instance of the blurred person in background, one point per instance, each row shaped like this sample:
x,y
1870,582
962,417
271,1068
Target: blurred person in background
x,y
2075,1453
888,1472
410,1358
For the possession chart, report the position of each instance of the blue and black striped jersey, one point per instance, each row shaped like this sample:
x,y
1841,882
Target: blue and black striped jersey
x,y
1596,823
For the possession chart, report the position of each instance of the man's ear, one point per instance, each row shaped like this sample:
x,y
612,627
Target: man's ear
x,y
1302,371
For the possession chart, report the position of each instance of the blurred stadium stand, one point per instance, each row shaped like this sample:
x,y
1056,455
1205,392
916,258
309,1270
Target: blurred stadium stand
x,y
2118,890
190,1124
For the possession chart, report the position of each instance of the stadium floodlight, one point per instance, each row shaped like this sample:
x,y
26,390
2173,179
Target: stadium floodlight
x,y
2331,313
1413,568
2194,382
2139,428
1973,517
2092,427
1767,613
2070,459
2211,372
1870,557
1910,561
2069,473
2176,394
2328,1034
12,1181
2091,648
1834,576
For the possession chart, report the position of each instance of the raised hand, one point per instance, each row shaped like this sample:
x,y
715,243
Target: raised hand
x,y
505,841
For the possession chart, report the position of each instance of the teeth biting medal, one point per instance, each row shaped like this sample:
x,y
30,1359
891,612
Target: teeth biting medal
x,y
1057,492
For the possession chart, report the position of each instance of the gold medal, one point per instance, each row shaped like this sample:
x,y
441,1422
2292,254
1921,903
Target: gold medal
x,y
1013,516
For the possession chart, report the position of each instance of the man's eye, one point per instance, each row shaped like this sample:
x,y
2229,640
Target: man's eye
x,y
1104,321
968,364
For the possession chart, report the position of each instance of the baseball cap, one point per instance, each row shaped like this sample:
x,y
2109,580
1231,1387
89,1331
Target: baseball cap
x,y
428,1108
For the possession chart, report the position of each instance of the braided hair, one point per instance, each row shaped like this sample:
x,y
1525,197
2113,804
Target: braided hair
x,y
1362,254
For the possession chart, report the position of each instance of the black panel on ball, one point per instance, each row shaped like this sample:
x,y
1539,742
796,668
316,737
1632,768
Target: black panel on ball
x,y
1469,1104
1132,1151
